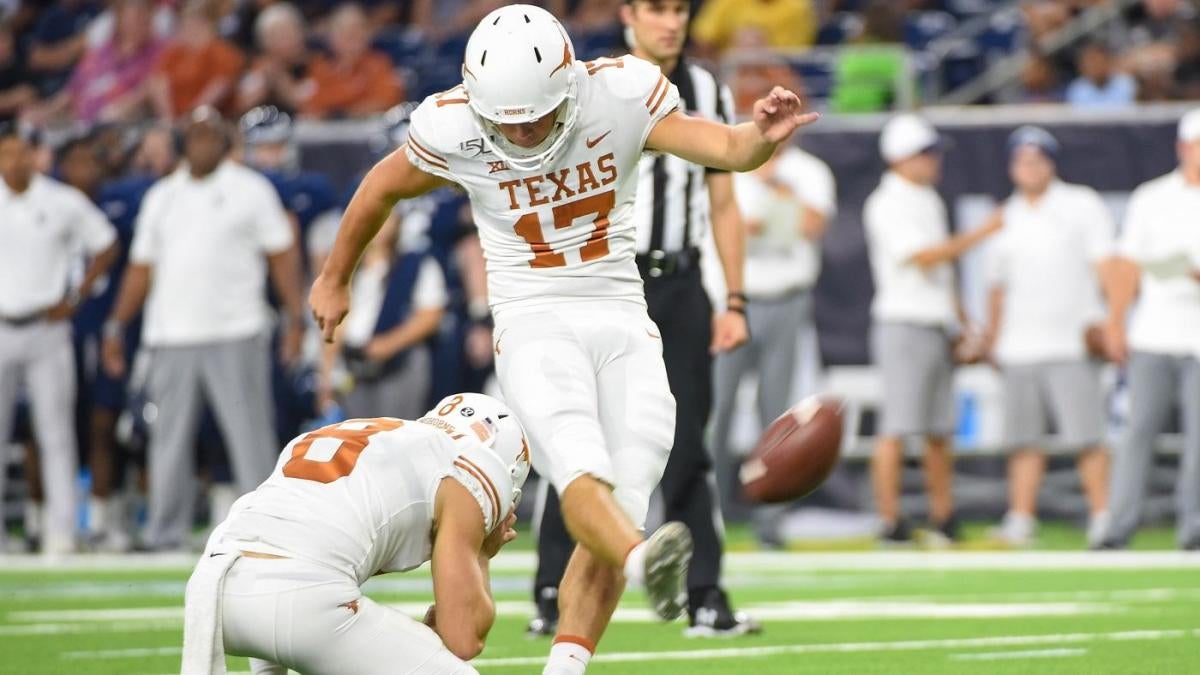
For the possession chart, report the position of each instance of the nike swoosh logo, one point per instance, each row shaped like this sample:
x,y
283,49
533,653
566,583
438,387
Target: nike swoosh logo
x,y
656,337
213,555
591,142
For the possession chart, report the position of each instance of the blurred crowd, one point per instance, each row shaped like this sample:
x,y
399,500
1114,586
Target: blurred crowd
x,y
1151,53
195,252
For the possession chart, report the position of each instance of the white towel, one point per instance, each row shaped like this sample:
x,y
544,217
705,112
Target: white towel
x,y
203,641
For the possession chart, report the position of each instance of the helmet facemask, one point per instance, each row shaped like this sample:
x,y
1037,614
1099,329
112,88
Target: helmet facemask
x,y
543,154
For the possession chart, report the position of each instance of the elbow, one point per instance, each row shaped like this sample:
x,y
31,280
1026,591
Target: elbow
x,y
465,647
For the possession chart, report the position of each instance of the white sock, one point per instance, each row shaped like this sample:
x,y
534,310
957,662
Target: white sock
x,y
567,657
99,514
635,564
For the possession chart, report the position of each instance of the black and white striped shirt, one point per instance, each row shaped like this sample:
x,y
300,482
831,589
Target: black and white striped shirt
x,y
671,211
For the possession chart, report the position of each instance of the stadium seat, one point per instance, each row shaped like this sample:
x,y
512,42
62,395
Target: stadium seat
x,y
840,27
922,28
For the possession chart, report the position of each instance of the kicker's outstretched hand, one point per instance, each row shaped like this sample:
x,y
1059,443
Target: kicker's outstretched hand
x,y
780,113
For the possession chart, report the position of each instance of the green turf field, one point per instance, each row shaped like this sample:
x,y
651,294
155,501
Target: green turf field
x,y
824,612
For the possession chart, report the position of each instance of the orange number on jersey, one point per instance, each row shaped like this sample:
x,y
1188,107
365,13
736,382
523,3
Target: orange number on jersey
x,y
353,436
529,226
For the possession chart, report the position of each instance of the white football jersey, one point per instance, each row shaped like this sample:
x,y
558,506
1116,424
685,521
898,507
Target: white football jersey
x,y
358,496
564,233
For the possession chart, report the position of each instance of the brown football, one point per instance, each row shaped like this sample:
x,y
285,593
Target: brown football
x,y
796,453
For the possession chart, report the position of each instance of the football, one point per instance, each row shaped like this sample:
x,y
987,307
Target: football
x,y
796,453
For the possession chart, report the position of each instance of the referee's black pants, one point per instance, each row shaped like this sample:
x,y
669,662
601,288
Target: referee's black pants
x,y
681,308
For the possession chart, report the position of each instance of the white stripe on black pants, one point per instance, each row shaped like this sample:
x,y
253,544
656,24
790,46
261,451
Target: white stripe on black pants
x,y
40,355
235,378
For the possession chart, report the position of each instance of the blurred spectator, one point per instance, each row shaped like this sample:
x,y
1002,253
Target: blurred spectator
x,y
754,79
99,398
47,224
1151,45
354,80
786,205
110,81
441,19
1187,73
1098,84
59,40
162,22
206,239
1156,275
16,88
871,72
592,15
1039,81
398,299
1044,278
278,75
913,315
782,23
197,68
1044,17
308,196
155,155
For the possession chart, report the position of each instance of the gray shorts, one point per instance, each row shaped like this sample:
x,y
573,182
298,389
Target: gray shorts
x,y
1069,391
918,379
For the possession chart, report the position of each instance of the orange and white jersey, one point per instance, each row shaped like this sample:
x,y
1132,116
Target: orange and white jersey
x,y
564,233
358,496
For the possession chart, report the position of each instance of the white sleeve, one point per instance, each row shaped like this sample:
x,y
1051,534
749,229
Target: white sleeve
x,y
1100,227
1132,242
814,184
94,231
996,261
147,238
273,230
648,94
423,148
752,196
890,233
430,290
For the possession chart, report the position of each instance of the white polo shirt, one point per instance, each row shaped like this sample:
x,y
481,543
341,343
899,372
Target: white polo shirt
x,y
1045,258
369,289
208,241
1163,223
42,230
780,259
901,219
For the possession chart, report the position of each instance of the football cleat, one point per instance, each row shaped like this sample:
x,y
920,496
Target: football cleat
x,y
668,554
709,616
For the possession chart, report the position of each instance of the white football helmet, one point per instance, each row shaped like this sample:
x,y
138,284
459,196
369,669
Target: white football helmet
x,y
519,67
493,441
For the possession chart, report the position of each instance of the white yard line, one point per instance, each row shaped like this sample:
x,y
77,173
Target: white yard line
x,y
861,647
1020,655
525,561
817,610
824,648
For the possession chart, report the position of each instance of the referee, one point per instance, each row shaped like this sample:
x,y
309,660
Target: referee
x,y
675,202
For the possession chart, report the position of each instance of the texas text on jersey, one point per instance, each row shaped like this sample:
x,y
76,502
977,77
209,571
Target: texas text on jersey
x,y
566,232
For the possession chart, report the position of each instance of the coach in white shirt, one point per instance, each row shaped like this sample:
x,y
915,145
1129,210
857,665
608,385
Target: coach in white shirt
x,y
785,206
43,226
204,241
1158,256
915,313
1044,274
